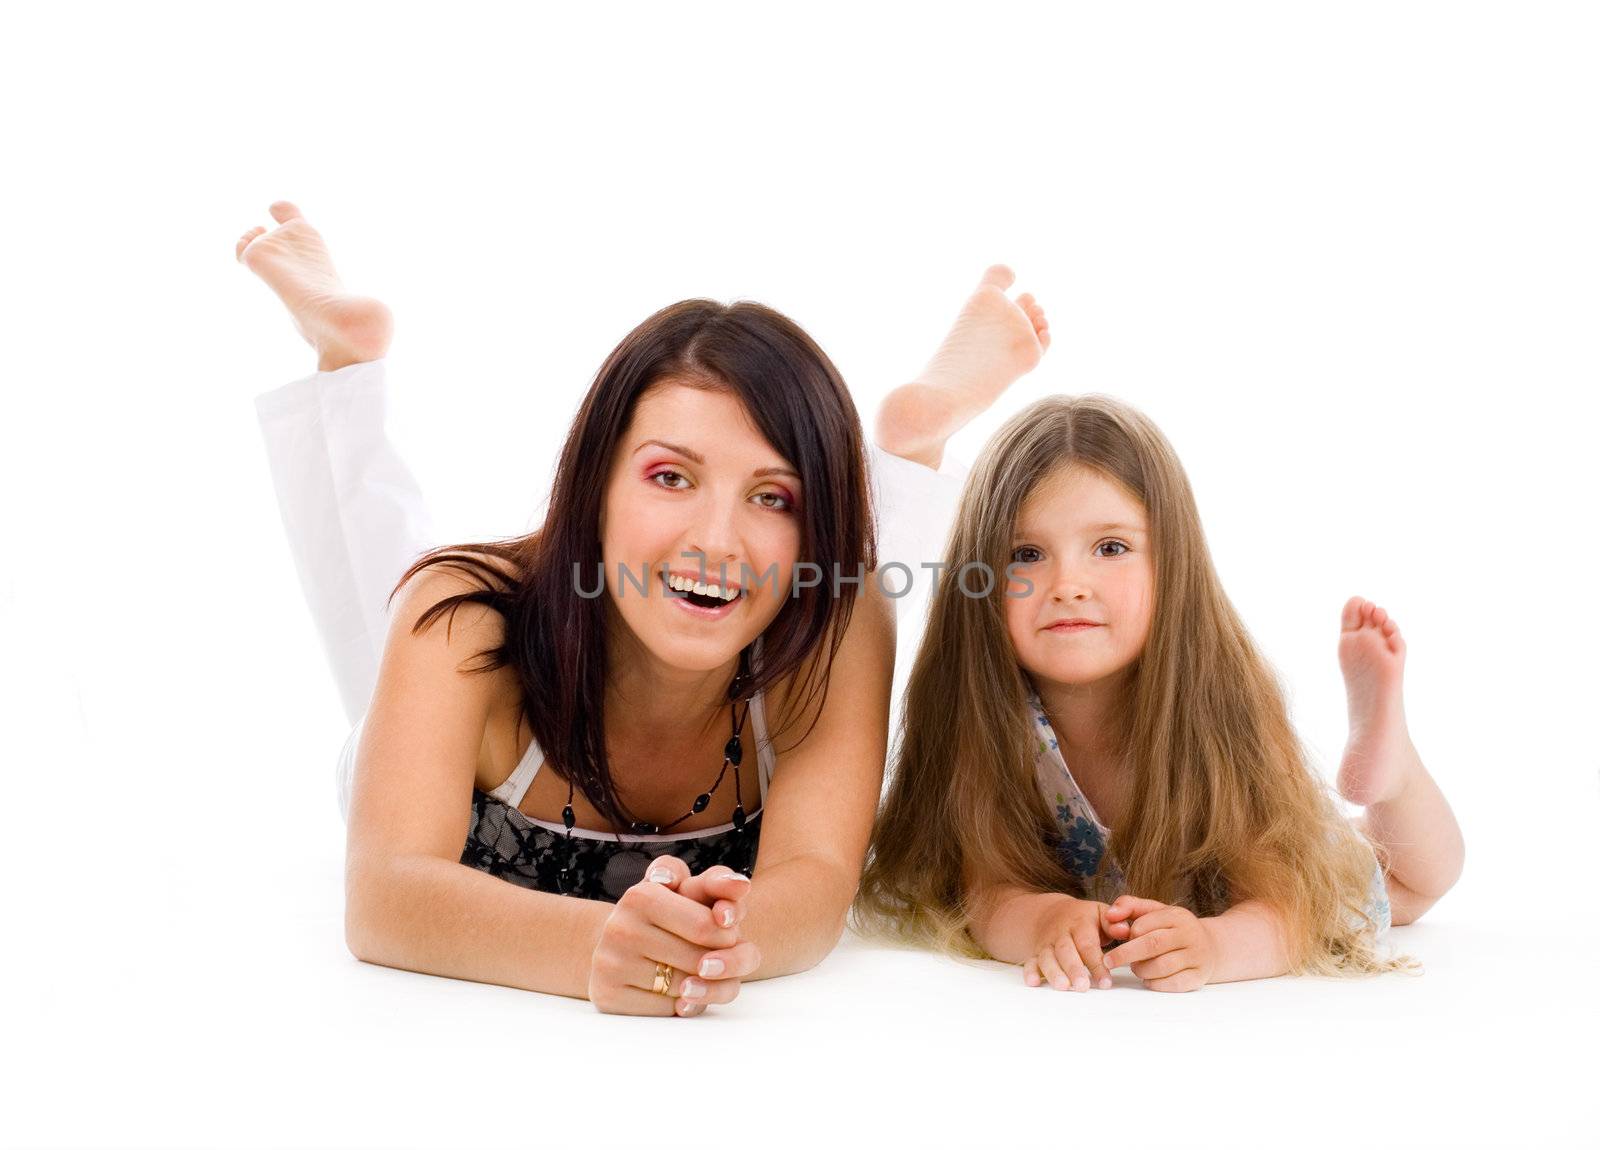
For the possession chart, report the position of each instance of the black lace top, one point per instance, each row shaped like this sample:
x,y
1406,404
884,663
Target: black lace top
x,y
505,842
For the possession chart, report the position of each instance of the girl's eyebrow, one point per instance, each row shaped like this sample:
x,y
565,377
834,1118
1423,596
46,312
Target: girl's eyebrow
x,y
1093,529
697,458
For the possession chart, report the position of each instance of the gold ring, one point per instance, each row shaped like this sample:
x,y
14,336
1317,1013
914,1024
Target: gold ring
x,y
663,984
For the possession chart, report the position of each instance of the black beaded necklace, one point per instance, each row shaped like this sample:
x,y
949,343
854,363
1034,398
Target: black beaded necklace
x,y
732,754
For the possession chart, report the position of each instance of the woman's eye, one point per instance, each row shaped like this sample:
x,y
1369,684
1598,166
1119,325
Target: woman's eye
x,y
1113,543
1017,555
782,503
668,486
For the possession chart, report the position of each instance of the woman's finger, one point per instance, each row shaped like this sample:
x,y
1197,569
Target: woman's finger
x,y
657,945
714,883
1030,973
738,961
667,870
631,1000
672,912
706,991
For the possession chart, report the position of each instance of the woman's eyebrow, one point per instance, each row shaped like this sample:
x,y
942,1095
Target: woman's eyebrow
x,y
697,458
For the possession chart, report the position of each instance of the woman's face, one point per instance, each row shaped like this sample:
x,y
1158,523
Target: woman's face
x,y
694,478
1083,542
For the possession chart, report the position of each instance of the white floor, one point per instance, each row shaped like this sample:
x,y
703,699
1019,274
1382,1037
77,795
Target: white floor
x,y
220,1008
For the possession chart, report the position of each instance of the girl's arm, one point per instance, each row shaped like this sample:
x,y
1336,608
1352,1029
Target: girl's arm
x,y
1008,922
1248,941
818,812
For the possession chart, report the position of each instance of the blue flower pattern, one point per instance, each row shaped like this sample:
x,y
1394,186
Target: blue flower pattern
x,y
1081,839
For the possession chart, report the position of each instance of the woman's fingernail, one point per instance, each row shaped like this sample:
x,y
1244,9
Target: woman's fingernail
x,y
711,967
727,916
692,988
1105,984
660,874
686,1008
737,875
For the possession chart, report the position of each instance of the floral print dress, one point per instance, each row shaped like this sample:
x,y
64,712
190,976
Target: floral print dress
x,y
1081,840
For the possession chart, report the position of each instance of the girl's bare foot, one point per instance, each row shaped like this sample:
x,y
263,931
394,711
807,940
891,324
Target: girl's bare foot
x,y
1379,760
294,262
994,342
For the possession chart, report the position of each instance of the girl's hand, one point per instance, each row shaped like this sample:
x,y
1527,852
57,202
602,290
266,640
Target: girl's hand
x,y
1068,946
654,923
1169,948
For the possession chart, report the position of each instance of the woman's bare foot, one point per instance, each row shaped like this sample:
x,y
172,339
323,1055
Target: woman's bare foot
x,y
294,262
1379,760
994,342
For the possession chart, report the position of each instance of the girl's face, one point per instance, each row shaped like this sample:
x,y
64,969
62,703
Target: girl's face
x,y
1082,541
693,477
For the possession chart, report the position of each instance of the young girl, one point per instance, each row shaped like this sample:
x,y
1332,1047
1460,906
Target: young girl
x,y
1093,753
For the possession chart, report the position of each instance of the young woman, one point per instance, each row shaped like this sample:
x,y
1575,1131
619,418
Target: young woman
x,y
582,706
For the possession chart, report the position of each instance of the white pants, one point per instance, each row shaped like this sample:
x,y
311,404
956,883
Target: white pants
x,y
356,520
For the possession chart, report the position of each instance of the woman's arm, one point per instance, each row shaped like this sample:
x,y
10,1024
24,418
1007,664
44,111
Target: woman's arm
x,y
817,816
410,903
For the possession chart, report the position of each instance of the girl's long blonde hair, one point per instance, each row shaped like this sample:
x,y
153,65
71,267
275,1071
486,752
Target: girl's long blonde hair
x,y
1223,805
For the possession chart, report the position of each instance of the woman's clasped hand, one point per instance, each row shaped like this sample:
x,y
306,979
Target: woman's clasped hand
x,y
672,919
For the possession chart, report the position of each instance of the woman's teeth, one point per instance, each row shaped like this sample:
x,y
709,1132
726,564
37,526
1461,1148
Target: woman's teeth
x,y
710,590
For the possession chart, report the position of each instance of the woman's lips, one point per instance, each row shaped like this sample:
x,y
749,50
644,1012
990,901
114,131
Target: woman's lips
x,y
681,598
1073,625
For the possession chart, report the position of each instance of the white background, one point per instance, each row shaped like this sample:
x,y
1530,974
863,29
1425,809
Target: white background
x,y
1344,255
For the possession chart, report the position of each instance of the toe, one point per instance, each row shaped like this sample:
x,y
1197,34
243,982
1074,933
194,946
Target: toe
x,y
244,242
283,211
1379,616
998,276
1351,618
1027,303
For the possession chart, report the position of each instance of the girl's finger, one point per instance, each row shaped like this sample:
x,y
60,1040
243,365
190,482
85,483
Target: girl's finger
x,y
1184,980
1155,920
1146,946
1051,969
1128,904
1093,959
1072,964
1162,965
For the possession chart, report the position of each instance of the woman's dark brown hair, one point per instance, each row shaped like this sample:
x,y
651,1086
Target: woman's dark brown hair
x,y
555,638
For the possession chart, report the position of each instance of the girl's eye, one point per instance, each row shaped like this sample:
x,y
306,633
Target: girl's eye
x,y
1113,543
669,487
1016,556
